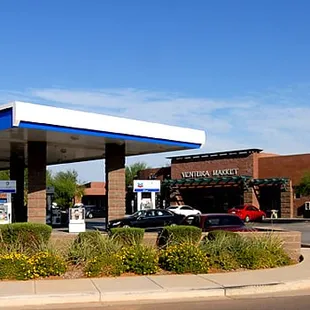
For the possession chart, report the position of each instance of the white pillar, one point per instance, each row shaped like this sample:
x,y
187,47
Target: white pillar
x,y
153,199
139,200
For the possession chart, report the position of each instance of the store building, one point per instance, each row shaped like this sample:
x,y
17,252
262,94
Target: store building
x,y
214,182
94,194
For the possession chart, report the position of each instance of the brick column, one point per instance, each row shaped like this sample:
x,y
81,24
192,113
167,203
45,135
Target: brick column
x,y
115,181
17,168
287,202
248,196
37,182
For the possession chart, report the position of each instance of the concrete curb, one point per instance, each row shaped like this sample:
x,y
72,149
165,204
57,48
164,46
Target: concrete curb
x,y
54,299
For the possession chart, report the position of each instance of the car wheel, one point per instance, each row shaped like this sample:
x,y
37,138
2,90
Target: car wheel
x,y
173,224
126,226
90,216
247,219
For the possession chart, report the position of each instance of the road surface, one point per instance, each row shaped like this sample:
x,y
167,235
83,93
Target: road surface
x,y
296,301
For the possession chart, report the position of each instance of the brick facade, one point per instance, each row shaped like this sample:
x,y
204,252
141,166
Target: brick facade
x,y
246,165
36,182
289,166
158,173
115,180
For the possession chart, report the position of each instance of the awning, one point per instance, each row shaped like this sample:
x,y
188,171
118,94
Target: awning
x,y
234,180
269,182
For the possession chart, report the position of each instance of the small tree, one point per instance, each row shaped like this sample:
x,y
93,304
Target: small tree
x,y
66,187
132,171
5,175
304,186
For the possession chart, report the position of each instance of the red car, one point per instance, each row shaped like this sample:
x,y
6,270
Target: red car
x,y
216,221
248,213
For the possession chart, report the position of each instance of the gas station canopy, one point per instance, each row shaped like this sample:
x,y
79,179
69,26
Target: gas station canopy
x,y
73,136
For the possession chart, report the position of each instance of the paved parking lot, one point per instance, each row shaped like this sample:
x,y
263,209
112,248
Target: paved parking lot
x,y
303,227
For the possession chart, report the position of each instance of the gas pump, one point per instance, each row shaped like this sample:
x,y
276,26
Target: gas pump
x,y
53,215
7,188
146,193
49,201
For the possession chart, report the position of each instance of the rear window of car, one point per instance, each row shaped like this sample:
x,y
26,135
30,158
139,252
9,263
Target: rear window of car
x,y
239,207
172,208
223,221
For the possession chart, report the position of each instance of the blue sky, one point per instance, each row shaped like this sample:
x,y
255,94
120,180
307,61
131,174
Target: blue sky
x,y
237,69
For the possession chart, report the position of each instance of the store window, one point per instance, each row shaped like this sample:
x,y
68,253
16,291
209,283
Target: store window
x,y
297,196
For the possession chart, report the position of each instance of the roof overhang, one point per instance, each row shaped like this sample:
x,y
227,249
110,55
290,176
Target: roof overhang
x,y
73,136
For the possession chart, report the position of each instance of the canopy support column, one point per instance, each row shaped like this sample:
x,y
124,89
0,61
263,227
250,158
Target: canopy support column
x,y
37,182
17,169
115,181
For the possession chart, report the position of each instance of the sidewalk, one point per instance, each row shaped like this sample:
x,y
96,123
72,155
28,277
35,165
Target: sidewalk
x,y
44,292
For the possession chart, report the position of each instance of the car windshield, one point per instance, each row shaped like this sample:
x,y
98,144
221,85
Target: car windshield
x,y
139,213
172,208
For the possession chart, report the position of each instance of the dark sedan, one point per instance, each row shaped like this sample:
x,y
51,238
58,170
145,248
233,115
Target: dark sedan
x,y
92,211
219,221
148,219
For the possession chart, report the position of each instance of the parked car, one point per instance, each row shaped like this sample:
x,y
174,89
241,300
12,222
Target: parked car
x,y
248,213
92,211
148,219
184,210
216,221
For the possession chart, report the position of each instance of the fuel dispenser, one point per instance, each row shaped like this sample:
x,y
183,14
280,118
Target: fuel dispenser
x,y
146,193
7,188
53,214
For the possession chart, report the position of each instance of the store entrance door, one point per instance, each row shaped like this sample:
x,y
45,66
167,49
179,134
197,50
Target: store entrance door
x,y
270,199
213,199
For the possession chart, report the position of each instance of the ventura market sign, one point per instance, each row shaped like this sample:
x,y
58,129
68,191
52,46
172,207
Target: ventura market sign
x,y
213,173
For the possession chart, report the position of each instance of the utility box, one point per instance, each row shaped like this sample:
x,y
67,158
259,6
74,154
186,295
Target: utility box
x,y
77,220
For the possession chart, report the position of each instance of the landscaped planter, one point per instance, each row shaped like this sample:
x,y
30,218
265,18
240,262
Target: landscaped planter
x,y
127,252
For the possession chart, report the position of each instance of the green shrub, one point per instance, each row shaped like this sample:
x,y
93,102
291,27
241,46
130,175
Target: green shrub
x,y
140,259
127,236
184,258
231,251
90,245
219,234
222,249
16,266
172,235
45,264
27,235
262,252
104,266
